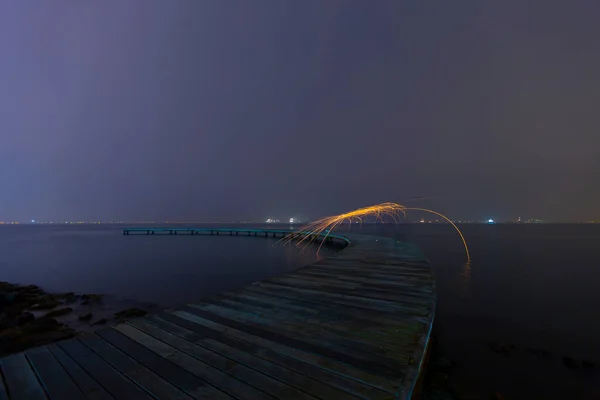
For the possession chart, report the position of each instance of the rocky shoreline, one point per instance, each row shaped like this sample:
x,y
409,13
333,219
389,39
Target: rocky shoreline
x,y
31,317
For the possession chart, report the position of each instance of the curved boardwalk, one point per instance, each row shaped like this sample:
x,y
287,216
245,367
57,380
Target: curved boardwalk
x,y
355,325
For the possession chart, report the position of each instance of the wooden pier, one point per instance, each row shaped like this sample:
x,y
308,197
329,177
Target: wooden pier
x,y
352,326
233,231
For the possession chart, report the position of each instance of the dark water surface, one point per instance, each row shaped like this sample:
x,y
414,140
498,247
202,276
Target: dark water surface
x,y
161,269
534,286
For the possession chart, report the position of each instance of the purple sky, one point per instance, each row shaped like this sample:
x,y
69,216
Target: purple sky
x,y
225,110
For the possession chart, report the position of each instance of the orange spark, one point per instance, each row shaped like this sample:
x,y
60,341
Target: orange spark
x,y
325,226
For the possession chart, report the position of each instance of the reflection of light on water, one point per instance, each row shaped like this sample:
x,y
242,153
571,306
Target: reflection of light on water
x,y
464,281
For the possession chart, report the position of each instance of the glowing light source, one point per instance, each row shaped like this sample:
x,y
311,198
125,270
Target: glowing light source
x,y
292,220
490,221
394,211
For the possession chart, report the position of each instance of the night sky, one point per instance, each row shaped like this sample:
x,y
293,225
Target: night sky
x,y
232,110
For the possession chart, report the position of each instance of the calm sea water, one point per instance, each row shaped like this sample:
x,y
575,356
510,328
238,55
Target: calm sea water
x,y
534,286
161,269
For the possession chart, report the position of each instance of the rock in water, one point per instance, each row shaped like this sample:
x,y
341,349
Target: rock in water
x,y
85,317
59,312
130,313
46,302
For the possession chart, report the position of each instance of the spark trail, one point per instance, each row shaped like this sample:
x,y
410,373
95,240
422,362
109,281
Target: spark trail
x,y
325,226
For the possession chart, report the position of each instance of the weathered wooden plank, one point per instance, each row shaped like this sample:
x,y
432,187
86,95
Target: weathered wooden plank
x,y
151,382
313,325
385,262
321,361
247,354
389,266
333,312
91,389
54,378
115,383
324,346
353,299
317,302
399,295
216,377
348,334
226,364
162,366
396,274
366,278
308,336
20,378
351,289
322,379
354,304
368,327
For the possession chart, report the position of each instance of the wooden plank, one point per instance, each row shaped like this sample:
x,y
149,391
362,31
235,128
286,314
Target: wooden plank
x,y
365,278
324,362
206,372
226,364
329,345
369,266
348,333
404,289
142,376
115,383
334,312
54,378
182,378
391,273
390,264
351,304
91,389
248,355
385,261
321,324
351,289
21,381
397,279
196,332
376,304
364,296
398,294
324,347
